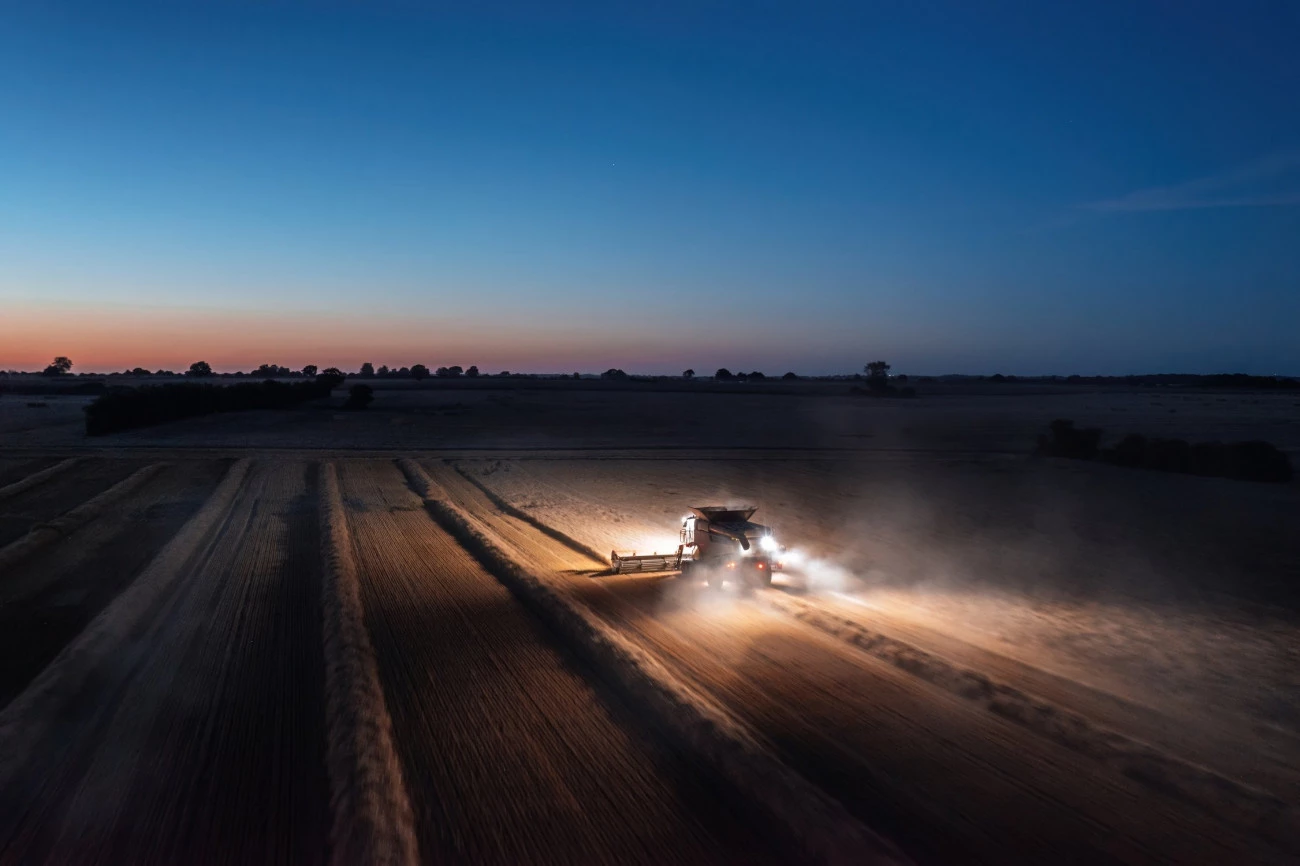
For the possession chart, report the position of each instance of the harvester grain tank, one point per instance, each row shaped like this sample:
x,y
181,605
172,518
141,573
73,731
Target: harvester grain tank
x,y
718,541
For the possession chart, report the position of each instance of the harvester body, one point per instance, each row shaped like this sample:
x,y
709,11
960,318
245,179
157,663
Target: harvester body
x,y
719,541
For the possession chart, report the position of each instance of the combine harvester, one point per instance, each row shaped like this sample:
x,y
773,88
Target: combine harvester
x,y
718,541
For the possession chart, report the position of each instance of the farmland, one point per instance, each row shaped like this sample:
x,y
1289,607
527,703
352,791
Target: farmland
x,y
391,635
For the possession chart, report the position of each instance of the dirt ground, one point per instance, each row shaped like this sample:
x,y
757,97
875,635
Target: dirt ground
x,y
164,696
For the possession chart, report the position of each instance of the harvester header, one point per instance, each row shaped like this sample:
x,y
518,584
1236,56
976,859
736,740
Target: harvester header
x,y
719,540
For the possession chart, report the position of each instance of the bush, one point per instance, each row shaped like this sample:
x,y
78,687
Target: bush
x,y
1244,461
157,404
1064,440
359,397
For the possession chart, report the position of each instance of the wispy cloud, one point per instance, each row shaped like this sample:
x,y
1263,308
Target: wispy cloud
x,y
1270,181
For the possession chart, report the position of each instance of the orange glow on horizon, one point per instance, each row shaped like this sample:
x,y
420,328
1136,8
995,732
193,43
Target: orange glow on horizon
x,y
113,339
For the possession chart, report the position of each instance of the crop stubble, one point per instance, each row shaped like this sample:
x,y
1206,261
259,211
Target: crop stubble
x,y
207,745
509,752
943,777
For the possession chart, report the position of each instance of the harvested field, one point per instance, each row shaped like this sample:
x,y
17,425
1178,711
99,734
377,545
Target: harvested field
x,y
510,753
60,493
949,781
201,735
989,658
1130,586
46,600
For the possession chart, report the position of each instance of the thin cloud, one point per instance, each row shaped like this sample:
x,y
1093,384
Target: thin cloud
x,y
1270,181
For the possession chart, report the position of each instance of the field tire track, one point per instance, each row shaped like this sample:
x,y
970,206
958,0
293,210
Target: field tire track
x,y
518,513
29,717
820,825
1243,804
372,817
45,534
37,478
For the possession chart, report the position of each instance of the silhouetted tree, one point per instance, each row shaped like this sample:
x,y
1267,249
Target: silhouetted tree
x,y
756,376
139,371
575,375
405,372
877,375
331,377
472,372
455,371
164,373
723,375
688,374
418,372
383,370
789,376
58,366
367,370
613,373
359,397
504,374
309,371
199,369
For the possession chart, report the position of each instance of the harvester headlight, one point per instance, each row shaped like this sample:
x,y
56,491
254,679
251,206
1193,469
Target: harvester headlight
x,y
768,543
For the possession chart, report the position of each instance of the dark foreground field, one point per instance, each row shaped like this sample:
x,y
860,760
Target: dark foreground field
x,y
219,652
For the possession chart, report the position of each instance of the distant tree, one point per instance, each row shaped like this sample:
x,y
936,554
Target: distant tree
x,y
504,374
139,371
455,371
359,397
877,370
723,375
442,372
613,373
58,366
742,376
199,369
309,371
331,377
383,370
575,375
164,373
472,372
688,374
789,376
367,370
756,376
405,372
418,372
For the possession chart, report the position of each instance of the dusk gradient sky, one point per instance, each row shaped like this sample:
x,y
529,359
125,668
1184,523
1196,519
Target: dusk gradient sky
x,y
1028,187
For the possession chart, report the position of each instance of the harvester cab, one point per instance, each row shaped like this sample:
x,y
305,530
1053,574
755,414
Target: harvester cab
x,y
718,541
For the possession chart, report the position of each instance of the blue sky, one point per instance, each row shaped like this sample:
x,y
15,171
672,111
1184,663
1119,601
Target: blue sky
x,y
1025,187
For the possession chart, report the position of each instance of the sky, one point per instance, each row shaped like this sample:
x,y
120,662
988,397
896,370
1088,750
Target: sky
x,y
1066,187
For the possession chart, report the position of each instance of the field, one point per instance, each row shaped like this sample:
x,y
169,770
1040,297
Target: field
x,y
392,636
